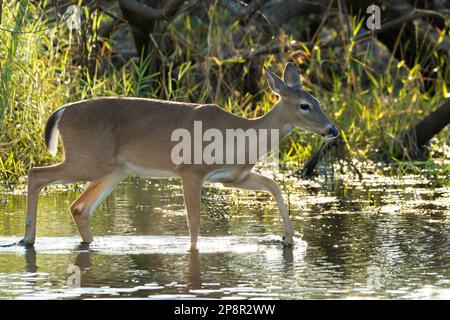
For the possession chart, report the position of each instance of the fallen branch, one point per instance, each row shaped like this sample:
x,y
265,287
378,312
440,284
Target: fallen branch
x,y
338,147
415,140
311,165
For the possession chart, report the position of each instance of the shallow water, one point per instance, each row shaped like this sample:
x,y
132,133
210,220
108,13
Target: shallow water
x,y
382,238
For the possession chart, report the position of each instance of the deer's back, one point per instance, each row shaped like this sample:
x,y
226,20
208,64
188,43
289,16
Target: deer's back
x,y
128,129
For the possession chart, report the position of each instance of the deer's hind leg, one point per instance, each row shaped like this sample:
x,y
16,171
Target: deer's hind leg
x,y
38,178
95,192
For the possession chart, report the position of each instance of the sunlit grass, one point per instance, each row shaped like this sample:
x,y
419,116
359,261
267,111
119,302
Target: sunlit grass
x,y
40,71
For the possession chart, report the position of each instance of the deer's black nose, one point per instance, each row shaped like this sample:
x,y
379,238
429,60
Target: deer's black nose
x,y
333,132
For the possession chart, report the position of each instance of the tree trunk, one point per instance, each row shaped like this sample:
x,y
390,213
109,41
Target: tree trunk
x,y
416,139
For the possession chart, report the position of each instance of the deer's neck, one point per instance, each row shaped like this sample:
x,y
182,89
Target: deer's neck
x,y
276,127
275,119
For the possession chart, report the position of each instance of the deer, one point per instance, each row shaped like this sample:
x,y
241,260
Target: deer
x,y
106,139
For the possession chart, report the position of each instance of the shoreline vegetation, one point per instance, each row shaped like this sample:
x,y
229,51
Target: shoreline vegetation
x,y
204,52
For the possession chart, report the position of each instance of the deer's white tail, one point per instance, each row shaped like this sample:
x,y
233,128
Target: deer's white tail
x,y
51,132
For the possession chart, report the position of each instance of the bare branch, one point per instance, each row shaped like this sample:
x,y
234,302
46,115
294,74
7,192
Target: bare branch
x,y
415,14
241,9
280,12
250,11
236,7
150,13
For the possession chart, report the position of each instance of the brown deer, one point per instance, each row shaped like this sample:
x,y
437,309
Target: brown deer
x,y
107,139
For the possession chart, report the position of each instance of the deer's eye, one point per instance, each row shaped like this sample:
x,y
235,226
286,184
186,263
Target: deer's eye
x,y
304,107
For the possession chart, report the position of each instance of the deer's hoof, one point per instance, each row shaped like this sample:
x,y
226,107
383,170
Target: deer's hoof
x,y
288,241
193,248
83,246
25,243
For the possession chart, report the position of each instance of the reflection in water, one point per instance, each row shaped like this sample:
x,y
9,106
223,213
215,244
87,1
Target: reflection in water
x,y
195,281
30,260
355,240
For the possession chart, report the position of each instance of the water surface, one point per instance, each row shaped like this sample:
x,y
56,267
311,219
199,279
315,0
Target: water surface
x,y
379,238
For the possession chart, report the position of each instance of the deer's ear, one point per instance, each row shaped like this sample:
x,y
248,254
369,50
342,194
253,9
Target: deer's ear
x,y
291,76
275,83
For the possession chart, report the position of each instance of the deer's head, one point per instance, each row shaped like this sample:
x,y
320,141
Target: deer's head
x,y
300,108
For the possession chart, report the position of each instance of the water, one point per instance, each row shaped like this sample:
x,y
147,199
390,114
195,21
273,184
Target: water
x,y
379,238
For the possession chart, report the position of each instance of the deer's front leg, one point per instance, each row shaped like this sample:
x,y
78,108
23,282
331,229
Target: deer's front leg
x,y
256,181
192,189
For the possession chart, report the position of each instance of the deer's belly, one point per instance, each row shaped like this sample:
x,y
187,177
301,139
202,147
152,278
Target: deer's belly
x,y
226,176
147,172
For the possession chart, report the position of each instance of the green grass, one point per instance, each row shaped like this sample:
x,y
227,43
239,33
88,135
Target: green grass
x,y
41,70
